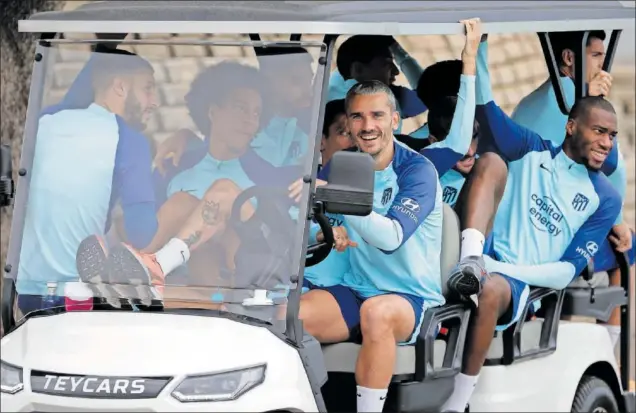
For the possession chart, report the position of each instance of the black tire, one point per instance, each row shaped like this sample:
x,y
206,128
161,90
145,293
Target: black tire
x,y
592,394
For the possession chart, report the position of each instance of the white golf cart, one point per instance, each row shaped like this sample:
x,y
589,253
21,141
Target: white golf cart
x,y
247,350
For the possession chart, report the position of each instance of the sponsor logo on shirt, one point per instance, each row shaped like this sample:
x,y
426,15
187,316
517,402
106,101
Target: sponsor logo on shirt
x,y
408,207
449,194
545,215
335,222
591,248
386,195
580,202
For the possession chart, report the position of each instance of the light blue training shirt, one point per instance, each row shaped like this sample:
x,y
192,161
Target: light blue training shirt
x,y
85,160
540,112
554,213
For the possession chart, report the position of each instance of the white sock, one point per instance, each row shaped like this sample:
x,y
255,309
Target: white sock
x,y
472,243
172,255
464,387
370,400
614,333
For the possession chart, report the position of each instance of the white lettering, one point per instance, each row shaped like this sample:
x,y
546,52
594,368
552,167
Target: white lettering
x,y
61,382
48,380
138,386
75,382
583,252
120,385
85,389
104,386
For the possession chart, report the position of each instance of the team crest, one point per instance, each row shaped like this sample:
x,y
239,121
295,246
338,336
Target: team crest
x,y
449,194
386,195
580,202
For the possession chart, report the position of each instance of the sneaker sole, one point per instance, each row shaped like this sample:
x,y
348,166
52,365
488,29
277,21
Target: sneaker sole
x,y
464,284
130,275
91,260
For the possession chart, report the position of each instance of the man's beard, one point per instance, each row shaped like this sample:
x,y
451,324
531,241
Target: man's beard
x,y
133,112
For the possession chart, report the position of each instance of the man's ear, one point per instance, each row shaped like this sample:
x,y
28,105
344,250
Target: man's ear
x,y
395,120
570,127
323,143
568,57
119,87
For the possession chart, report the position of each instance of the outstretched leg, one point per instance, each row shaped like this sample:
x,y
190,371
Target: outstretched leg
x,y
208,219
476,207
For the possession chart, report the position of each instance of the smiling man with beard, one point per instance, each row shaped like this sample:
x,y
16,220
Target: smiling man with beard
x,y
393,273
545,209
86,159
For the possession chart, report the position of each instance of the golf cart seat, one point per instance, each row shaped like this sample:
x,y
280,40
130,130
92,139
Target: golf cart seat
x,y
589,295
431,357
593,296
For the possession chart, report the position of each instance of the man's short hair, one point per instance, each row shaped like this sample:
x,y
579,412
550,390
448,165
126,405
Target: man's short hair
x,y
438,81
212,87
571,40
108,65
440,118
361,49
583,106
333,109
371,87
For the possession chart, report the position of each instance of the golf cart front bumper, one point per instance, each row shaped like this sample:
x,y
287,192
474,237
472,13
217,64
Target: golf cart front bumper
x,y
26,401
134,362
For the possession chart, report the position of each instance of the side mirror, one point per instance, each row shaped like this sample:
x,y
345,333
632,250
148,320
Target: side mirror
x,y
6,177
351,179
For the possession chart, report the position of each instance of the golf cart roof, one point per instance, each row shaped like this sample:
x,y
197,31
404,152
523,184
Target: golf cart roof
x,y
331,17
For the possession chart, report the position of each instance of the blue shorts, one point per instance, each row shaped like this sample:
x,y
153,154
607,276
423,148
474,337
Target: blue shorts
x,y
350,303
605,258
519,292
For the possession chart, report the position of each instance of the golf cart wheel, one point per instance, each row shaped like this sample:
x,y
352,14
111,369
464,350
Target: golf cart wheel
x,y
594,395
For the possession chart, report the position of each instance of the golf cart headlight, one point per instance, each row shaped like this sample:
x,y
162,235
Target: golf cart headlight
x,y
229,385
11,377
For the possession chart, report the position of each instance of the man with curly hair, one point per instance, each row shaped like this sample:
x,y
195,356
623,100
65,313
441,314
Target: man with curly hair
x,y
226,103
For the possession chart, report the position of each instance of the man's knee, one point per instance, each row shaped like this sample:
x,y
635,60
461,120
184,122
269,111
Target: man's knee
x,y
495,295
384,315
491,166
222,189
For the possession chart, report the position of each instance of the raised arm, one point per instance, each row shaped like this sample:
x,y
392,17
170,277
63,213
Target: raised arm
x,y
446,153
511,139
408,65
582,248
418,185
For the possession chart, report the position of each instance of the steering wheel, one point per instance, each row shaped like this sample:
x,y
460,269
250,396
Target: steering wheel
x,y
271,225
321,250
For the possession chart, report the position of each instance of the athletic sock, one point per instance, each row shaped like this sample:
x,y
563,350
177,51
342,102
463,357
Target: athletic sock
x,y
472,243
172,255
464,387
370,400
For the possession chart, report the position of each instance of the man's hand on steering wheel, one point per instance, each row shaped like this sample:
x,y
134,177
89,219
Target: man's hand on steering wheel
x,y
341,239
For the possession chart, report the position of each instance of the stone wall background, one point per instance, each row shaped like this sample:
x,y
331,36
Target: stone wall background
x,y
516,63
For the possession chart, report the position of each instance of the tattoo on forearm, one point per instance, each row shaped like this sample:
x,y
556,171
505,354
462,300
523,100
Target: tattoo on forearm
x,y
210,212
193,239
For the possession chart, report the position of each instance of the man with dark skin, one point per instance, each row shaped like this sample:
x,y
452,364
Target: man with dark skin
x,y
544,208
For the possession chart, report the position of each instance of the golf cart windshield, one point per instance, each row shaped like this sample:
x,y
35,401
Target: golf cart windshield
x,y
161,171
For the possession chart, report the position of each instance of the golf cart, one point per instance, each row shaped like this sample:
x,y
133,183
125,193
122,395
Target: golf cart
x,y
240,346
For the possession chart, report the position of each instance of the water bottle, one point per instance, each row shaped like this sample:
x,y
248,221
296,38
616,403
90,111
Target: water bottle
x,y
49,301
